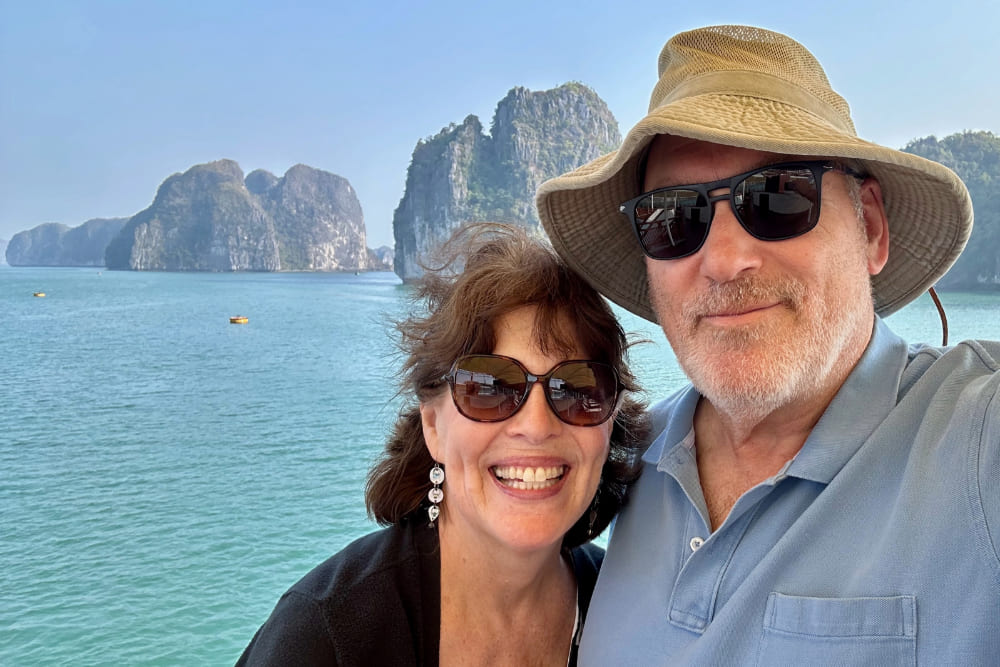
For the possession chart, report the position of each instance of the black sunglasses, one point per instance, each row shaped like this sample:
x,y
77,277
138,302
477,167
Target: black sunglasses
x,y
773,203
492,387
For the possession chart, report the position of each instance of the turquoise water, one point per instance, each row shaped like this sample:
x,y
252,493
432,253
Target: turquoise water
x,y
165,475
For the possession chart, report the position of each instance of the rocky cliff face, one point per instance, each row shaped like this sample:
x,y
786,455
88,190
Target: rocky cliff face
x,y
380,259
212,219
202,220
317,219
462,175
54,244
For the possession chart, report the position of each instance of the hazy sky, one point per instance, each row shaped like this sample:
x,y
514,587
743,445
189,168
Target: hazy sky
x,y
100,101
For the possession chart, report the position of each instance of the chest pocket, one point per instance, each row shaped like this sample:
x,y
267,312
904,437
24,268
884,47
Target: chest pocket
x,y
839,631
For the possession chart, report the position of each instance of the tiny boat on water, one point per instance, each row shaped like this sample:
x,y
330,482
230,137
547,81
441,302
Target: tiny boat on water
x,y
239,319
38,294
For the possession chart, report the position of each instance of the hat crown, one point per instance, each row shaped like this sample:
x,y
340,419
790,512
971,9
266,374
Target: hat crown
x,y
747,61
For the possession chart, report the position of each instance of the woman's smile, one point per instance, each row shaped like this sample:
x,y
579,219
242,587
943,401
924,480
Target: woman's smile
x,y
529,478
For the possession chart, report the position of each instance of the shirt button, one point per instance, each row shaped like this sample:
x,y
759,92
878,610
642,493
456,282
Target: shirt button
x,y
696,543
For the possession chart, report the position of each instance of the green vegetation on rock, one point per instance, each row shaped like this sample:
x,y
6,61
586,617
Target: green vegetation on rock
x,y
975,157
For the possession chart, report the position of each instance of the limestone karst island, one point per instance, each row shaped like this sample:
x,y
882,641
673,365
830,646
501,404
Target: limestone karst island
x,y
212,217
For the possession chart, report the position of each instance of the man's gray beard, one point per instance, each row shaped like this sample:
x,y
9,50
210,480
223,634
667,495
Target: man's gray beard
x,y
736,380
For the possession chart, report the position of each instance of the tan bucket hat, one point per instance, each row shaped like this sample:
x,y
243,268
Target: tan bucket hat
x,y
753,88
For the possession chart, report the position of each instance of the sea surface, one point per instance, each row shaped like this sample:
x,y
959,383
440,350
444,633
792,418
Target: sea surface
x,y
165,475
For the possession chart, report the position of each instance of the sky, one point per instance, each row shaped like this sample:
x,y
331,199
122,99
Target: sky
x,y
101,101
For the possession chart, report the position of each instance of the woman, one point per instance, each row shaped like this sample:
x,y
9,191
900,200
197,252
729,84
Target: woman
x,y
490,485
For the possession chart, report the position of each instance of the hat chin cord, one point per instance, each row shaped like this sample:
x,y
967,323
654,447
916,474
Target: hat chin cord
x,y
944,318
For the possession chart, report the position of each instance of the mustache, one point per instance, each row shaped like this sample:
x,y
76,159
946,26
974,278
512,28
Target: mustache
x,y
748,291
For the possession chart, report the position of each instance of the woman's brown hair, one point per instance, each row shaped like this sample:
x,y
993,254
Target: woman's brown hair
x,y
483,272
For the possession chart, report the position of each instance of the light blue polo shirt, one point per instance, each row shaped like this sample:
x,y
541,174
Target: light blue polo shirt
x,y
877,544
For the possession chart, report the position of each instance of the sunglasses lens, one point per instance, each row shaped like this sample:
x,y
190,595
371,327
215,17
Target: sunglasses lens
x,y
487,388
672,223
772,203
778,203
583,393
490,388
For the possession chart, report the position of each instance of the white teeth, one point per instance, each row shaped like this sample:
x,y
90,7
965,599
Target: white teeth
x,y
522,478
523,486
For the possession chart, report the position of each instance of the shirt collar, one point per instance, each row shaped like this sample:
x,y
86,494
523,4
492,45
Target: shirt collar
x,y
863,402
672,420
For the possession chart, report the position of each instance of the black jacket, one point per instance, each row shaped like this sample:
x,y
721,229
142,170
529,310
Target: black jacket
x,y
376,602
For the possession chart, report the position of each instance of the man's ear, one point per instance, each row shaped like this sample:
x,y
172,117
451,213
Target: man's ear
x,y
876,225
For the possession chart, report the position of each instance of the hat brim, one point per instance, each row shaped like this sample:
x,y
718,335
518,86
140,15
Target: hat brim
x,y
927,205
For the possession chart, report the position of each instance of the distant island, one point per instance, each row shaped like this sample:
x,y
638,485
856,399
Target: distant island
x,y
55,244
211,218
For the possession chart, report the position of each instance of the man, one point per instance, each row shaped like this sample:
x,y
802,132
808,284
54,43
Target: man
x,y
822,493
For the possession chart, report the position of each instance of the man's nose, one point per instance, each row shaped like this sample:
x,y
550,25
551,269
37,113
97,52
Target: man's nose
x,y
729,249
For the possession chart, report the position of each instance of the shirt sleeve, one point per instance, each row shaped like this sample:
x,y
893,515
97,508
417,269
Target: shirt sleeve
x,y
989,469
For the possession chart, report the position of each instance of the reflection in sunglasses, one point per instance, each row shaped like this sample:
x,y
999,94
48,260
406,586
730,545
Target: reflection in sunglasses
x,y
772,203
493,387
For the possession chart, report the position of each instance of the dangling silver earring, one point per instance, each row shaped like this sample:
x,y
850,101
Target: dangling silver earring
x,y
435,495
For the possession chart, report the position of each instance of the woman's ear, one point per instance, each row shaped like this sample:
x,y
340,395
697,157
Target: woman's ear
x,y
428,421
